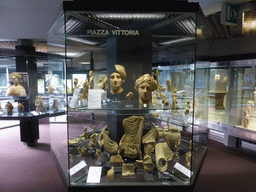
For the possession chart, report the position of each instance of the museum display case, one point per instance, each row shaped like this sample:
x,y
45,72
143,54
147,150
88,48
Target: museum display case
x,y
131,121
24,94
229,89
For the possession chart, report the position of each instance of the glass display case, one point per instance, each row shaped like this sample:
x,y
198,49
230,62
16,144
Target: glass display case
x,y
131,122
229,89
24,96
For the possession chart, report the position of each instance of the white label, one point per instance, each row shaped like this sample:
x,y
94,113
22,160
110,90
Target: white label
x,y
94,99
183,169
77,167
94,174
34,113
75,97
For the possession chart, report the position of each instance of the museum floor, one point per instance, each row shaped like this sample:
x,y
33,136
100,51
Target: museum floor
x,y
32,168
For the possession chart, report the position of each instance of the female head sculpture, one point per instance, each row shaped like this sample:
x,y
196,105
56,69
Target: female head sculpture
x,y
16,89
117,79
145,85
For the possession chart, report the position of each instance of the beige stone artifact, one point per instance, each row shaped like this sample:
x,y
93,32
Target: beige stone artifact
x,y
116,160
93,140
9,108
16,89
117,79
39,103
82,151
129,96
73,141
98,153
110,145
188,159
163,154
176,151
130,143
85,89
217,77
84,135
91,80
103,83
186,111
188,104
75,85
168,84
148,163
145,85
51,89
149,141
246,119
171,135
111,174
128,169
100,140
21,106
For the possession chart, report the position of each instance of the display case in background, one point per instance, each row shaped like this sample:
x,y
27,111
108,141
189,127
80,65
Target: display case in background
x,y
24,96
229,89
123,140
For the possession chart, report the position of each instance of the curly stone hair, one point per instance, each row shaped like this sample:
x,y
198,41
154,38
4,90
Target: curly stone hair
x,y
146,78
120,69
16,75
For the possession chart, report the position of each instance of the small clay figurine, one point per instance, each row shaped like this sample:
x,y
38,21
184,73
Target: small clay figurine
x,y
75,85
93,140
39,103
55,106
188,104
188,159
91,80
84,135
103,83
1,109
168,84
81,151
9,108
176,151
51,89
21,107
246,119
98,153
85,89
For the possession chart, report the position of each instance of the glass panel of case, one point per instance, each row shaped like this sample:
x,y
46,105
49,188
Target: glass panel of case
x,y
131,121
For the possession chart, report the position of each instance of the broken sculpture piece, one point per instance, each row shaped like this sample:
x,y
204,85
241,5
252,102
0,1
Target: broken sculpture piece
x,y
129,96
103,83
110,145
116,160
130,143
128,169
111,173
163,154
93,140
